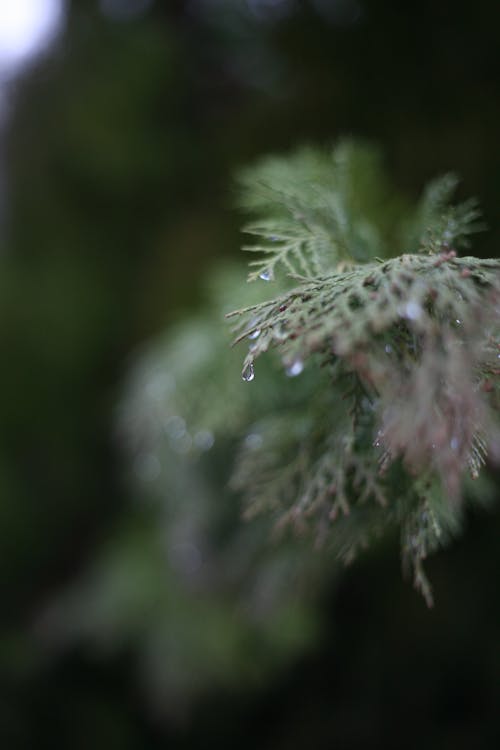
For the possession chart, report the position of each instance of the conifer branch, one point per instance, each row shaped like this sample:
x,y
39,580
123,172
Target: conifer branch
x,y
416,337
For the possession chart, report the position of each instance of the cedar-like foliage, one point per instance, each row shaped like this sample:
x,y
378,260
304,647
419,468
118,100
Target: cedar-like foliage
x,y
406,336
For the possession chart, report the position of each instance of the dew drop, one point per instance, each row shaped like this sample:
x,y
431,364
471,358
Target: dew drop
x,y
412,310
253,441
175,427
248,372
254,334
266,275
204,439
295,368
388,349
454,443
280,332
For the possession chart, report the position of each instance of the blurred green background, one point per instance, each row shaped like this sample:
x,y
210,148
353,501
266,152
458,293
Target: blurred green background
x,y
118,148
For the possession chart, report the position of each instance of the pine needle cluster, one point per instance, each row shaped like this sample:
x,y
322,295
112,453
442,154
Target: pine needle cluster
x,y
402,335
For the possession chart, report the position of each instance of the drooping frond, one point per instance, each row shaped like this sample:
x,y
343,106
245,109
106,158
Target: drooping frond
x,y
349,310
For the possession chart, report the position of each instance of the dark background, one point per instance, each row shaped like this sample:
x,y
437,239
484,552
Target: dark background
x,y
117,159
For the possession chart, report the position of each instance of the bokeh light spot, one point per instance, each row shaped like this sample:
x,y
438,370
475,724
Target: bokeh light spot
x,y
27,27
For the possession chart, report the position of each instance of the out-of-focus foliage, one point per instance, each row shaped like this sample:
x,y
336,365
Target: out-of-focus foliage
x,y
204,599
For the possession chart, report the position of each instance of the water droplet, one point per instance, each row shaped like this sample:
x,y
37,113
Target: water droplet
x,y
254,334
280,332
204,439
388,349
458,321
248,372
266,275
454,443
253,441
295,368
412,310
175,427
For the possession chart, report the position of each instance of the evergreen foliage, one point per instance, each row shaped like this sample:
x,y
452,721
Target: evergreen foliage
x,y
375,402
405,335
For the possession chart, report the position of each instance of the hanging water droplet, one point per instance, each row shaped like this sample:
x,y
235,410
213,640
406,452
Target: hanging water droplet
x,y
295,368
458,322
248,372
454,443
266,275
254,334
388,349
280,332
412,310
